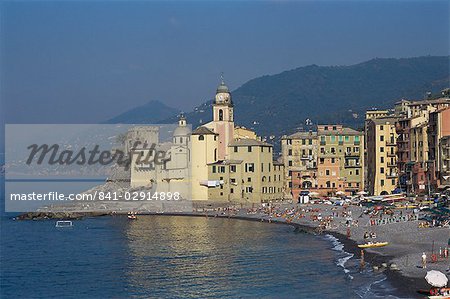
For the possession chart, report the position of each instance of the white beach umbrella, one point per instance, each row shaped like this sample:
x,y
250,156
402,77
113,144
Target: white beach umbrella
x,y
340,193
436,278
362,193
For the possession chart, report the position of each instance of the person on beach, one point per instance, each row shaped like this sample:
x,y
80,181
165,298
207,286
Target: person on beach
x,y
366,235
424,261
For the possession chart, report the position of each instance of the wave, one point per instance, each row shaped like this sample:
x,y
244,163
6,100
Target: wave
x,y
339,247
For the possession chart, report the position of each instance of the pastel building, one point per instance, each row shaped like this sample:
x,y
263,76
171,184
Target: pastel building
x,y
231,164
382,176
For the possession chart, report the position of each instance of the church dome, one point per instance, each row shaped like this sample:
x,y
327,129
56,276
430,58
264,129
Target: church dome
x,y
181,131
222,88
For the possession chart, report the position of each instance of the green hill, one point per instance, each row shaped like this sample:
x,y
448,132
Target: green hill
x,y
279,104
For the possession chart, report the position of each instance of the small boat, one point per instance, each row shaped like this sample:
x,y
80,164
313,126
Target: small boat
x,y
132,216
373,245
64,224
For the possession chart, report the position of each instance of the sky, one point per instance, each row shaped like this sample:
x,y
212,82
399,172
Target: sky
x,y
88,61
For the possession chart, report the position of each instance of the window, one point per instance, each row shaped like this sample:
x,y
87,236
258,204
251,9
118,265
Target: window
x,y
382,149
381,169
310,141
333,160
249,149
333,138
381,128
356,138
232,168
220,115
201,137
356,149
249,180
235,149
289,152
381,138
333,150
382,182
231,190
303,141
221,169
310,152
334,128
290,163
249,167
357,171
214,169
327,172
233,181
382,160
262,167
347,138
322,160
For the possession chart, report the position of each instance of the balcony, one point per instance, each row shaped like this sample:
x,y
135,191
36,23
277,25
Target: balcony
x,y
391,154
352,165
351,154
391,164
391,143
357,143
391,175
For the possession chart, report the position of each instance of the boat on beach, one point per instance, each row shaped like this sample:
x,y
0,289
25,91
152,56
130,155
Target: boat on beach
x,y
373,245
132,216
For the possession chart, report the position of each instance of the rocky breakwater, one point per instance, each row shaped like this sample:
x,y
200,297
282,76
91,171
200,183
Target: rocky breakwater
x,y
59,215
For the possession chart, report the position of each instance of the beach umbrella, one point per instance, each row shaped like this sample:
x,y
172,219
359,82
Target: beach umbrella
x,y
340,193
436,278
362,193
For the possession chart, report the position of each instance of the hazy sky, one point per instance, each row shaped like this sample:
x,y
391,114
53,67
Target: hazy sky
x,y
87,61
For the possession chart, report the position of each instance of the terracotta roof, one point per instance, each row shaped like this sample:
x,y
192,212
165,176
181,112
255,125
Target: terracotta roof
x,y
343,131
203,131
302,135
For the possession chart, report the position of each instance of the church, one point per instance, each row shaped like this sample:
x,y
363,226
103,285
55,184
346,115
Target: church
x,y
217,161
232,164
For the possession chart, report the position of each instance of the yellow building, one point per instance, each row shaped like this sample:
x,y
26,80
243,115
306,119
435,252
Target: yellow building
x,y
382,176
249,176
231,164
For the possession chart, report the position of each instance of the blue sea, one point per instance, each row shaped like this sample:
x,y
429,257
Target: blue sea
x,y
177,257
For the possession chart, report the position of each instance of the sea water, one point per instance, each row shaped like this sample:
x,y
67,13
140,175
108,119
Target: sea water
x,y
166,256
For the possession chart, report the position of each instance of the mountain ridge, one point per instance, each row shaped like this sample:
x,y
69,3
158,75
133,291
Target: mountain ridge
x,y
278,104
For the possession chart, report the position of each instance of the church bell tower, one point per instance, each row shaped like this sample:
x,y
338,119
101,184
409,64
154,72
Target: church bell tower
x,y
223,119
